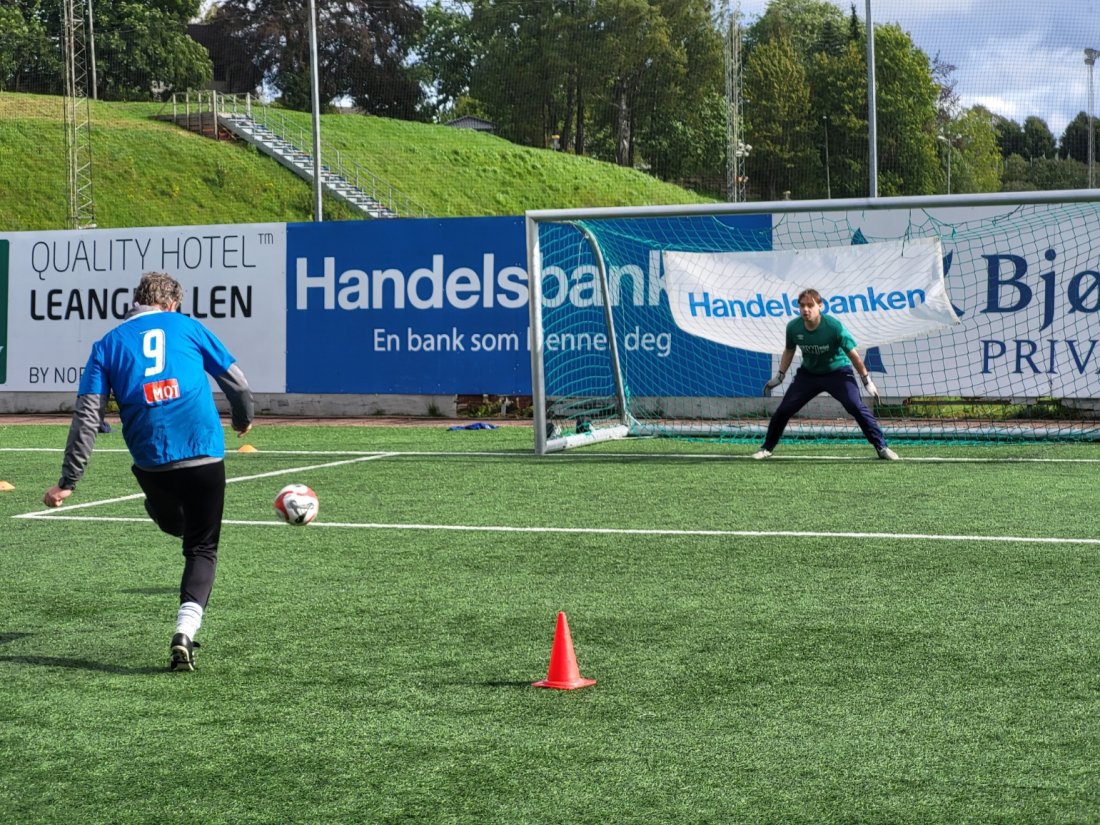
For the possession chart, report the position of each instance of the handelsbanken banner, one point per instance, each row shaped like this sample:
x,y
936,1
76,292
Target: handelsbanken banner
x,y
883,292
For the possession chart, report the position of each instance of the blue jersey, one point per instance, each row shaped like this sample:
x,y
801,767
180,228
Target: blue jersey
x,y
156,364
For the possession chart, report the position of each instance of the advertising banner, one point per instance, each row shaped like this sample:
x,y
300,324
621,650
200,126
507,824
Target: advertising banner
x,y
1025,283
3,312
408,306
439,306
66,289
884,292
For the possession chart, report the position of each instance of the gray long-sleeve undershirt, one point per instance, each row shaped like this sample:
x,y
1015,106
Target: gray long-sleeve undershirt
x,y
89,412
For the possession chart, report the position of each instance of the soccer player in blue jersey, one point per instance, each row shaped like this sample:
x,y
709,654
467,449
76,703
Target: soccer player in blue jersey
x,y
155,362
828,355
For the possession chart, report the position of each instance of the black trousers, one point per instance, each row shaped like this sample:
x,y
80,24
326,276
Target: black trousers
x,y
188,503
842,385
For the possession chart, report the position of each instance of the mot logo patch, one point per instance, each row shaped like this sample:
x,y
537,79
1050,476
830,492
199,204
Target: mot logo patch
x,y
158,391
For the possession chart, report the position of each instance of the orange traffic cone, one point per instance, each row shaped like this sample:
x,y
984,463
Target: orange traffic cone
x,y
564,673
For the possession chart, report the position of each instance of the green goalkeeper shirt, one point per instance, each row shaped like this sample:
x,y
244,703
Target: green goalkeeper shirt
x,y
824,349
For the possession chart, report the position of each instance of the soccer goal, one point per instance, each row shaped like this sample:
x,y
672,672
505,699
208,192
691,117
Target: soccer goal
x,y
976,315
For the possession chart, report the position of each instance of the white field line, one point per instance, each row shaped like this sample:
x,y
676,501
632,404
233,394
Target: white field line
x,y
863,457
61,515
627,531
53,514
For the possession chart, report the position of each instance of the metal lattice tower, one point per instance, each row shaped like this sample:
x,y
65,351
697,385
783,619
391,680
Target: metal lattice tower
x,y
78,114
737,149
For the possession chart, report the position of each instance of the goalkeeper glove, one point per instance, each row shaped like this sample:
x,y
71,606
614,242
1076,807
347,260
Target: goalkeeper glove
x,y
869,385
774,382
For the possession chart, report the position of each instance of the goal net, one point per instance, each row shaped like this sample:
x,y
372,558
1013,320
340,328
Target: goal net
x,y
668,321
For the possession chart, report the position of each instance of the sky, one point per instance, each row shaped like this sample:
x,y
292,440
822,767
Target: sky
x,y
1015,57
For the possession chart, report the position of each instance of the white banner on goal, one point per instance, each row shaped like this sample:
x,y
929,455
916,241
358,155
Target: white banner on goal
x,y
883,292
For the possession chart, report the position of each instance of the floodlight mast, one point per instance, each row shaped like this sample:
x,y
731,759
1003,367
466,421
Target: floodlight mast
x,y
78,114
1090,61
315,96
872,109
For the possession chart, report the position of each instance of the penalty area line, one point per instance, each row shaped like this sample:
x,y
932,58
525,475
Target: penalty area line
x,y
54,514
629,531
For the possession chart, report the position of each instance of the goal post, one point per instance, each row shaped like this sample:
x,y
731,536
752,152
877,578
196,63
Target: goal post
x,y
1013,356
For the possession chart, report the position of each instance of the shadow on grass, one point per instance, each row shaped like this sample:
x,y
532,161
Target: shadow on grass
x,y
151,591
77,664
82,664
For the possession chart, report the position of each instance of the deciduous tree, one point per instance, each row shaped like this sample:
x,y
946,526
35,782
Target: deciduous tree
x,y
363,49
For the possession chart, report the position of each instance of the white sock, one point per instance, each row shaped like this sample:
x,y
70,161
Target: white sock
x,y
189,619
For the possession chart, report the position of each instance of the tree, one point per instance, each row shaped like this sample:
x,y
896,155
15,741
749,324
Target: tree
x,y
362,52
1010,136
624,80
810,25
976,158
1038,140
780,131
680,118
907,95
1047,174
798,63
839,92
1017,175
145,50
29,61
445,53
637,47
512,75
1050,174
1075,140
947,100
142,49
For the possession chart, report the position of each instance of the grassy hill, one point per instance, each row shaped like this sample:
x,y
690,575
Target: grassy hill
x,y
152,173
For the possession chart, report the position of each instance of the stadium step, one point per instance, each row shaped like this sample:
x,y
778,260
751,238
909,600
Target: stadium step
x,y
336,181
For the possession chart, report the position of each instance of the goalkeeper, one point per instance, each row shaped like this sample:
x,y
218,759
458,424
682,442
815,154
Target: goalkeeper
x,y
828,355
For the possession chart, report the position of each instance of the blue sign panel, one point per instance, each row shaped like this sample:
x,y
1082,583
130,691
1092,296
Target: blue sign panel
x,y
417,307
439,306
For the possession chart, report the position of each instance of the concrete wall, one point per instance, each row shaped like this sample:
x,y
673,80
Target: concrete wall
x,y
312,406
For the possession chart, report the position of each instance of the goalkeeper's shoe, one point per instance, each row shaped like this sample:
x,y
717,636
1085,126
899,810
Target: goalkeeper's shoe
x,y
759,454
887,454
182,652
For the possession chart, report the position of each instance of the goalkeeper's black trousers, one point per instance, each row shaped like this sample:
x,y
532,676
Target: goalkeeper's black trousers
x,y
842,385
187,502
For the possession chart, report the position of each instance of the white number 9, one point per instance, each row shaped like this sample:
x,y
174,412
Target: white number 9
x,y
152,345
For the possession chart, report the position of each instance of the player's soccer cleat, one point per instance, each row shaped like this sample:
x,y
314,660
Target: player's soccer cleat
x,y
182,652
759,454
887,454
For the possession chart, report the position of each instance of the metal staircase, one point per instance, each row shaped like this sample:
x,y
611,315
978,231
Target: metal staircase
x,y
275,135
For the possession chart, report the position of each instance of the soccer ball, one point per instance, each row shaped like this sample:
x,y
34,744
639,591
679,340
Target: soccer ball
x,y
297,504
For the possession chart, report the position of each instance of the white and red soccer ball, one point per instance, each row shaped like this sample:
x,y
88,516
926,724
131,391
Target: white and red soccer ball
x,y
297,504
